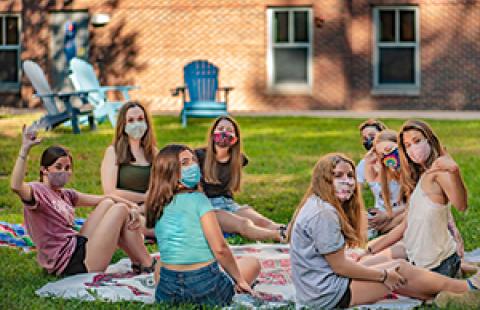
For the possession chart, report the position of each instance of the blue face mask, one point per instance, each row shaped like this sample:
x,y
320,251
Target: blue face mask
x,y
190,175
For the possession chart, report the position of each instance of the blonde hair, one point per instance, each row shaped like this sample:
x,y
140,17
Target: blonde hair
x,y
386,175
120,141
349,212
210,168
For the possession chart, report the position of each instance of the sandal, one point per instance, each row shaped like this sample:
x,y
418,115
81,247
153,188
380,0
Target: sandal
x,y
137,268
283,233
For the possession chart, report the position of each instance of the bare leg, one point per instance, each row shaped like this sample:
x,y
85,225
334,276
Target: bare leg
x,y
249,268
394,252
257,218
421,283
131,241
232,223
95,217
393,223
102,242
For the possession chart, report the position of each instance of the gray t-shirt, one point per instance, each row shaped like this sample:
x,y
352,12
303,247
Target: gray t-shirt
x,y
316,232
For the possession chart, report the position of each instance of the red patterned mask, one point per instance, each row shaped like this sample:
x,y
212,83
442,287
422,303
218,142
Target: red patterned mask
x,y
224,138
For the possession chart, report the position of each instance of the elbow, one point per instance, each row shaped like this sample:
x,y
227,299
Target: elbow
x,y
463,207
220,251
339,270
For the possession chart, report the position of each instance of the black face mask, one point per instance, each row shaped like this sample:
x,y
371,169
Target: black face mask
x,y
367,144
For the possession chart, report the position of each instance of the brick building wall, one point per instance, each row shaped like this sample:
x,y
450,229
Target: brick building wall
x,y
449,56
147,43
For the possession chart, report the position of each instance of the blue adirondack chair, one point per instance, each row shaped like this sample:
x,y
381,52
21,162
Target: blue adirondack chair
x,y
201,84
84,79
54,116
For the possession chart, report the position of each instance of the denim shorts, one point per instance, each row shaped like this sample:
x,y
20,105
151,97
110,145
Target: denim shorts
x,y
449,267
205,286
225,204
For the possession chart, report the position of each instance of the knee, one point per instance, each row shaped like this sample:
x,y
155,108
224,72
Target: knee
x,y
256,266
106,203
120,208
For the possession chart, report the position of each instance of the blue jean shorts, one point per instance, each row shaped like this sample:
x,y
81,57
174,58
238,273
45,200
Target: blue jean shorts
x,y
205,286
449,267
225,204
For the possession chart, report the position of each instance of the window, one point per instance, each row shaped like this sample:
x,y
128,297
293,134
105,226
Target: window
x,y
396,56
289,57
9,51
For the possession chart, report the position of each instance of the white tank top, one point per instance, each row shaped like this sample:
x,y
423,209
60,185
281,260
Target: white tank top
x,y
427,239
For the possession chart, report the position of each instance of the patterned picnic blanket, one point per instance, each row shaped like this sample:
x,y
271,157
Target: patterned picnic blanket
x,y
275,288
15,235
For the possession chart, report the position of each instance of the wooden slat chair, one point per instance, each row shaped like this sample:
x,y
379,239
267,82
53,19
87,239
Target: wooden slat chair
x,y
201,87
54,116
83,78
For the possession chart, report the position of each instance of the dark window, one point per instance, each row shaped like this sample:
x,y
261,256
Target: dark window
x,y
397,65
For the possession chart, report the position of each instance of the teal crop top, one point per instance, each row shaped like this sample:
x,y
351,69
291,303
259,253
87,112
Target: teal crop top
x,y
179,231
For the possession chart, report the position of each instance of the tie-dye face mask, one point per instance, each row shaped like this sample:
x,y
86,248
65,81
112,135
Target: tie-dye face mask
x,y
224,138
392,159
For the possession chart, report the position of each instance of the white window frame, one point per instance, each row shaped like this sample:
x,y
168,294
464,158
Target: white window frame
x,y
12,86
289,88
401,88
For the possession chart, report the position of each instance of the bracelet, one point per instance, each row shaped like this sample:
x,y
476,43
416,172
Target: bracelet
x,y
385,275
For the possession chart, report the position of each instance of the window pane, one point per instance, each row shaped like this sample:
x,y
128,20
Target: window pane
x,y
281,26
290,65
387,26
12,30
9,65
407,26
397,65
301,26
1,31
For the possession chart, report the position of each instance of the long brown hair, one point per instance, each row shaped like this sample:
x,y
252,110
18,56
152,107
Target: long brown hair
x,y
51,154
349,212
236,158
386,174
164,181
120,141
410,172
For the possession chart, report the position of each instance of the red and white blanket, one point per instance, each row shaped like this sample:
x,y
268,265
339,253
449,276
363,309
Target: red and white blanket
x,y
274,285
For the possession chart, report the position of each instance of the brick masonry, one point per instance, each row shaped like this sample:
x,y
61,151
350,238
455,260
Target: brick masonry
x,y
147,43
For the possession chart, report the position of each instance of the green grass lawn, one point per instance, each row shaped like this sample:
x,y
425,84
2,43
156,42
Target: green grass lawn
x,y
282,153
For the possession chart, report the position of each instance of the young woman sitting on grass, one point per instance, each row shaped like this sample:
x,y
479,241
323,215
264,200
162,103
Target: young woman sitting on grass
x,y
221,163
326,222
189,238
385,183
49,216
127,162
431,181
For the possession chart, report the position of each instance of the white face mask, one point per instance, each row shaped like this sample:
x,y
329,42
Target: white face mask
x,y
136,130
344,188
